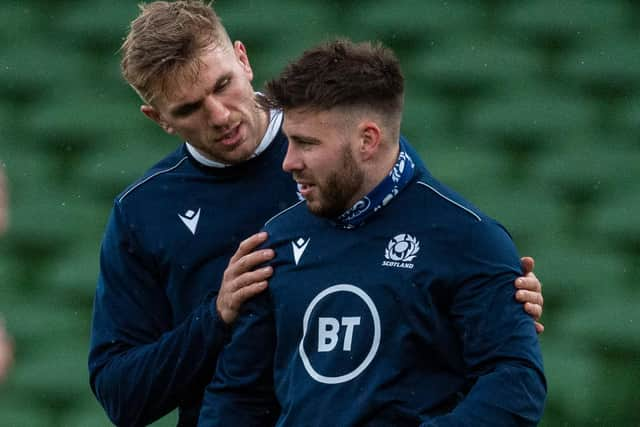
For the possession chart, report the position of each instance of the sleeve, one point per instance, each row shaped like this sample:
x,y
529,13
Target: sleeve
x,y
242,390
140,365
501,352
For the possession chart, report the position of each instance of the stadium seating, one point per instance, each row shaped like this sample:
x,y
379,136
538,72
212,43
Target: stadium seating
x,y
529,109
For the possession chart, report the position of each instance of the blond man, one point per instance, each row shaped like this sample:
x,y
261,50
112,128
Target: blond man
x,y
171,280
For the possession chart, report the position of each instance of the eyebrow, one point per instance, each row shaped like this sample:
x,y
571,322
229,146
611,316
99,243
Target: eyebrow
x,y
302,139
187,106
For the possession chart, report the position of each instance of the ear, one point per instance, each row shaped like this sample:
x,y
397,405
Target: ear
x,y
241,54
370,136
154,115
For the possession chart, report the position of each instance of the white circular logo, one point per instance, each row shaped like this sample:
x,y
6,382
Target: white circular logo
x,y
374,345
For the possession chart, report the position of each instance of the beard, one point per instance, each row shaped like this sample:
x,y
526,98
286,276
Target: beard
x,y
335,195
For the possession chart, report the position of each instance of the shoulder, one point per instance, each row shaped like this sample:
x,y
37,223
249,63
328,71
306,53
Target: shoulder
x,y
433,208
295,217
158,172
443,201
455,224
450,237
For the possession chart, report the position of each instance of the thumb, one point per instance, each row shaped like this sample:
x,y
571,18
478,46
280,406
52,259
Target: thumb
x,y
527,263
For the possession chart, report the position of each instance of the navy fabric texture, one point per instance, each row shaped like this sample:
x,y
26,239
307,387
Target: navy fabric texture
x,y
408,319
155,334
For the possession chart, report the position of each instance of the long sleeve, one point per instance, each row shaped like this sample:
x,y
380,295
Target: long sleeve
x,y
141,366
500,346
242,391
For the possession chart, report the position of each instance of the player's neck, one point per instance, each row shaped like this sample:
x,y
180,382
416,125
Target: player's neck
x,y
377,170
263,123
381,167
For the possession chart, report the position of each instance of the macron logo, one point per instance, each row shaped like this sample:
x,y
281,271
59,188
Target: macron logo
x,y
190,219
299,246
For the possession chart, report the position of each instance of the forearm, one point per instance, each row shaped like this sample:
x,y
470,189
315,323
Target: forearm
x,y
511,395
137,383
242,391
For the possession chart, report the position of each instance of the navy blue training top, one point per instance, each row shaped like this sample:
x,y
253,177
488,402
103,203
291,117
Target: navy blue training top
x,y
155,334
406,320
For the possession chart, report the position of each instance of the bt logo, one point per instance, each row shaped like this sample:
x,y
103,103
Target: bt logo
x,y
328,332
335,349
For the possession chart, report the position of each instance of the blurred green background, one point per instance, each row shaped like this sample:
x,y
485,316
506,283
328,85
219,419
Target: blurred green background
x,y
531,109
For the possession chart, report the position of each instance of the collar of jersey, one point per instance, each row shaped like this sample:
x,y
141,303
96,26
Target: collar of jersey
x,y
400,175
275,120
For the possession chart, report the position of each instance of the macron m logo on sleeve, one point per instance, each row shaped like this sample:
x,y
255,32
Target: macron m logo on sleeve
x,y
299,246
190,219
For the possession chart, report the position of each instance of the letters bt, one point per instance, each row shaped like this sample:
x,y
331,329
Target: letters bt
x,y
328,328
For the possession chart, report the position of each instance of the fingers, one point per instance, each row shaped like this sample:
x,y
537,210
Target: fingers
x,y
247,263
246,279
530,292
228,304
244,260
527,263
529,282
530,297
242,278
249,245
234,292
533,310
533,297
249,291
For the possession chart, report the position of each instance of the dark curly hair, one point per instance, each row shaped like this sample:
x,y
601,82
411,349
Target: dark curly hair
x,y
340,73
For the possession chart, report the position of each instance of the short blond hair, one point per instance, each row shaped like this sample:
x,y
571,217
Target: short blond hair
x,y
165,42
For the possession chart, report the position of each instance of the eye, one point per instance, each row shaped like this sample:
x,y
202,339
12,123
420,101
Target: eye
x,y
187,110
305,144
222,84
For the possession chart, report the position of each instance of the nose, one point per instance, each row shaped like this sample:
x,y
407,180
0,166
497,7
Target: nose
x,y
292,160
217,113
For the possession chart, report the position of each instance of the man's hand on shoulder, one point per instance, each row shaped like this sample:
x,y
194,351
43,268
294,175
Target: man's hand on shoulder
x,y
530,292
241,279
